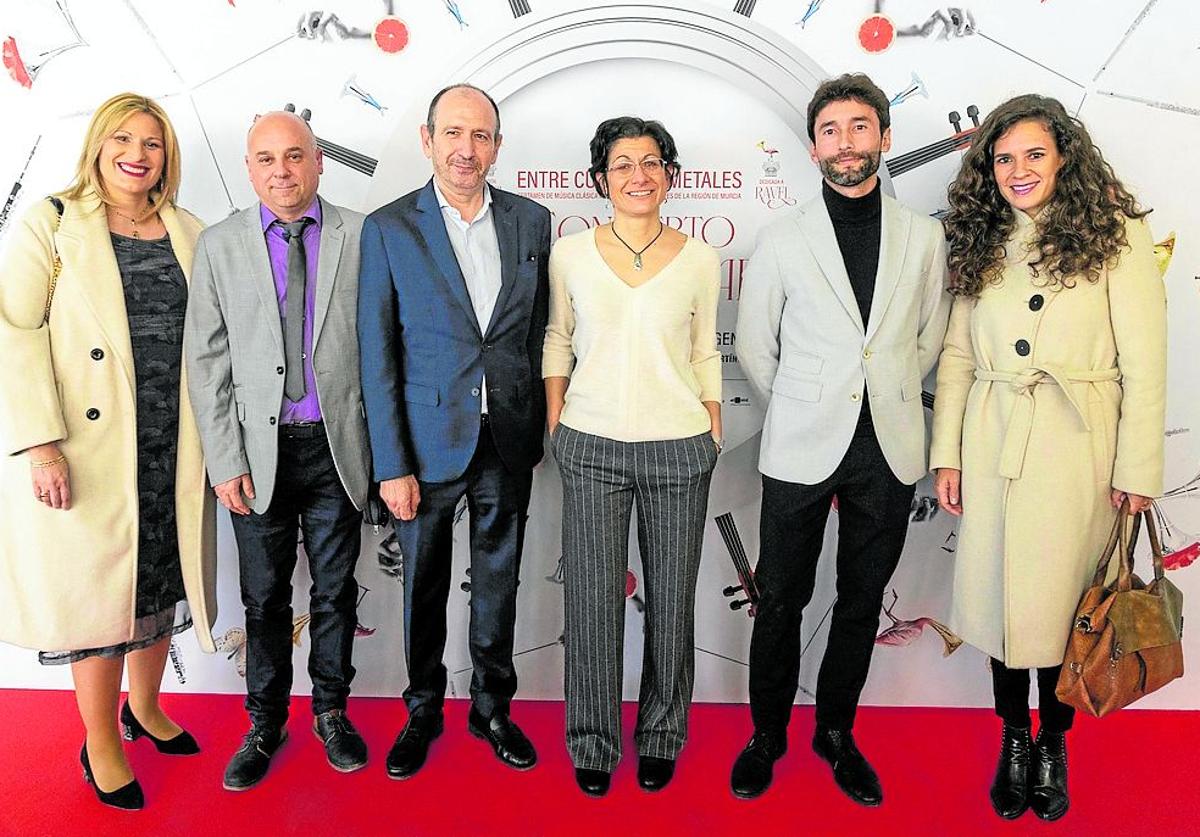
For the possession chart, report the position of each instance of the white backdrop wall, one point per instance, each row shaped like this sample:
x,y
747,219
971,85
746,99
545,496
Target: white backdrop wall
x,y
731,82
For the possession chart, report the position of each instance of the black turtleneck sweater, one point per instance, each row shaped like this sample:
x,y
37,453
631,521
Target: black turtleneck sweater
x,y
856,222
857,225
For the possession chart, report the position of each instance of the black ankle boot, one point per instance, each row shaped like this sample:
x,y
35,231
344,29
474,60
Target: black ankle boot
x,y
1048,794
1010,790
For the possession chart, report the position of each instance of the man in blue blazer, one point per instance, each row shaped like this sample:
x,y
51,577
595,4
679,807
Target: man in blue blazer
x,y
453,301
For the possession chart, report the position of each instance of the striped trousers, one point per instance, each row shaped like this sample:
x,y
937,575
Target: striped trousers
x,y
601,480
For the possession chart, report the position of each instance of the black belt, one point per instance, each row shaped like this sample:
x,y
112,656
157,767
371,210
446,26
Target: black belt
x,y
302,430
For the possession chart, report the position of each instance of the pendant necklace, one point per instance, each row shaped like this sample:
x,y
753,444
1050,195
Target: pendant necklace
x,y
637,254
133,222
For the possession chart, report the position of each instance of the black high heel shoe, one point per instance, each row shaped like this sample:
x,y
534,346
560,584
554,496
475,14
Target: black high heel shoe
x,y
181,745
127,798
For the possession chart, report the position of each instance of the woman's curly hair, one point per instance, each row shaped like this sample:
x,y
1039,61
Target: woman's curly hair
x,y
1081,231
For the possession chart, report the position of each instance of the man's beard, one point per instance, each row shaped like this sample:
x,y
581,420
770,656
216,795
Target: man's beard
x,y
850,177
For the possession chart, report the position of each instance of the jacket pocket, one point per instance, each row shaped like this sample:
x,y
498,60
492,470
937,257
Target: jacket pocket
x,y
795,388
801,363
421,394
911,388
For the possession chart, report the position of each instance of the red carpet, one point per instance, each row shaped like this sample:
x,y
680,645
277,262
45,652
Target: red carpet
x,y
1131,773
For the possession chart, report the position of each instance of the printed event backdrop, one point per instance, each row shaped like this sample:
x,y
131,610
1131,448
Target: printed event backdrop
x,y
731,82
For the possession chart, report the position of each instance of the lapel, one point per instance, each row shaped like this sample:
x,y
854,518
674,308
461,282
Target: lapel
x,y
437,241
504,217
182,241
817,229
83,242
893,241
254,246
329,256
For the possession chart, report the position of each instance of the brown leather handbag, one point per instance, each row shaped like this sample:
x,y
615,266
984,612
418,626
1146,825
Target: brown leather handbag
x,y
1127,638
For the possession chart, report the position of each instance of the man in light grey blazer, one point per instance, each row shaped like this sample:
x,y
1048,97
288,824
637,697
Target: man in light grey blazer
x,y
271,348
841,315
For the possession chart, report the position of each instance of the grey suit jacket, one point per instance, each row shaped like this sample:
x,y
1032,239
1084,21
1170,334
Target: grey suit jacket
x,y
233,348
807,354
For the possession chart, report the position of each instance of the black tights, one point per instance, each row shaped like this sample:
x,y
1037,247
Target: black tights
x,y
1011,688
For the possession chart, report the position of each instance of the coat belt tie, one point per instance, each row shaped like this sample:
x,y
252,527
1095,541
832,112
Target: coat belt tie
x,y
1020,422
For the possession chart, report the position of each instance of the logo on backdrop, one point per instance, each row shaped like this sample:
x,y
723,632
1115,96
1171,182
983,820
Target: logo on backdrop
x,y
772,190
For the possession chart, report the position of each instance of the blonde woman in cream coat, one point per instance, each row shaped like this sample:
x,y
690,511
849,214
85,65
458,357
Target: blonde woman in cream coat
x,y
95,529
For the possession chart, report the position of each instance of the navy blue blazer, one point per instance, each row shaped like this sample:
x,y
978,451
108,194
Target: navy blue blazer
x,y
422,353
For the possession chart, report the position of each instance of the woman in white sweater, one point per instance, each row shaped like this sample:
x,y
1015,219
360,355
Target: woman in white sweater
x,y
633,391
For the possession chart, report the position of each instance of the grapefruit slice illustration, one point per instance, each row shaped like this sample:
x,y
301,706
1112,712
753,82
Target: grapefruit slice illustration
x,y
391,35
876,33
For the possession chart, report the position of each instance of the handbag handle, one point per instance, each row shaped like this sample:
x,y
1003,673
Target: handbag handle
x,y
1129,536
1125,576
1106,554
1156,552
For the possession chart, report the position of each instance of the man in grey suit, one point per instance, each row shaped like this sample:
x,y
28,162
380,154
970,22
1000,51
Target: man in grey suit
x,y
271,348
841,315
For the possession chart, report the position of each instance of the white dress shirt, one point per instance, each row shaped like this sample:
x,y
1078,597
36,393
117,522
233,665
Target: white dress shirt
x,y
478,253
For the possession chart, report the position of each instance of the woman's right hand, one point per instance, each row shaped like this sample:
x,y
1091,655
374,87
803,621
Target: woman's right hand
x,y
947,484
51,483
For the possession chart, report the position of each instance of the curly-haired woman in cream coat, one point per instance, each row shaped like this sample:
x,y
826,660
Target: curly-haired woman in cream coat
x,y
1049,412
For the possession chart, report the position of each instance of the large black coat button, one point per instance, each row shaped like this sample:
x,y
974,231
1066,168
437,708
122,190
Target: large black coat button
x,y
278,370
1036,302
97,354
92,413
271,420
1022,347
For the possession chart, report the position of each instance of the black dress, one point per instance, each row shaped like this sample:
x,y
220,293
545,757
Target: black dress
x,y
155,303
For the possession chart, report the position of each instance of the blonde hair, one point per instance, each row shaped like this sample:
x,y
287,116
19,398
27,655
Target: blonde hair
x,y
105,121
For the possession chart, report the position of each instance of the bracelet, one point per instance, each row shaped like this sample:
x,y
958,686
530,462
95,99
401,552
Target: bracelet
x,y
47,463
720,443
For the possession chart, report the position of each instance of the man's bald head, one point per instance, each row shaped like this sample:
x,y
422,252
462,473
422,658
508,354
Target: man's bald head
x,y
284,163
276,119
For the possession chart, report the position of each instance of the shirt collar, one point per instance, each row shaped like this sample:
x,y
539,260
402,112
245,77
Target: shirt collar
x,y
445,204
268,217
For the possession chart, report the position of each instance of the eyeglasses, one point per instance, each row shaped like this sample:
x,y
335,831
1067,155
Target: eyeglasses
x,y
652,166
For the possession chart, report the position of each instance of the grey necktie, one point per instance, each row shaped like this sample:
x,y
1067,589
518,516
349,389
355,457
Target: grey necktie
x,y
293,322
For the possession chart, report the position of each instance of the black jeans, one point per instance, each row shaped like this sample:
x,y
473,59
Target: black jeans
x,y
309,497
873,509
1011,689
497,508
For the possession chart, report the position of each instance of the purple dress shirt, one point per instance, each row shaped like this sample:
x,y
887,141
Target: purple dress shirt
x,y
307,408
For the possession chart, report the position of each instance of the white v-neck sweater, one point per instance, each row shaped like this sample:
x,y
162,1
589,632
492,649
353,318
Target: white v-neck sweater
x,y
641,360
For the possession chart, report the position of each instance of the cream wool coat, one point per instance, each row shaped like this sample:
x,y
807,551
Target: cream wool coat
x,y
68,579
1047,400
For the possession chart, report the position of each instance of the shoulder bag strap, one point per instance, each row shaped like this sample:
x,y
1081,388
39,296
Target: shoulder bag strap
x,y
57,269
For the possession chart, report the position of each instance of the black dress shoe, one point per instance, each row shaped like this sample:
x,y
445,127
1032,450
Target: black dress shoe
x,y
249,764
755,765
412,744
654,773
592,782
853,774
181,745
508,742
345,749
127,797
1048,791
1010,790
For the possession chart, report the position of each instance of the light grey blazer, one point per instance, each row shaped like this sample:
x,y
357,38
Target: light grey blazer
x,y
802,343
233,348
